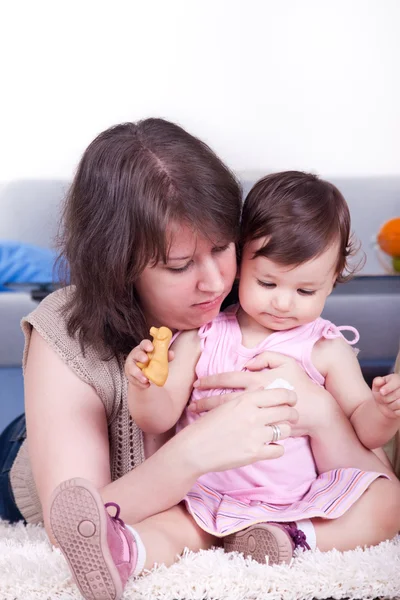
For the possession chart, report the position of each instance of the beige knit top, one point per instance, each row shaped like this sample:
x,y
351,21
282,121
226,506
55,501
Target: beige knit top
x,y
108,380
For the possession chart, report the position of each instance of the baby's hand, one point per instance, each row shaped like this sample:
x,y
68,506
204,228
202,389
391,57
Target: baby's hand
x,y
140,354
386,392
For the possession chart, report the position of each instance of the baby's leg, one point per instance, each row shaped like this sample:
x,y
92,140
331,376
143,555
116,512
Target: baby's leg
x,y
381,454
167,534
375,517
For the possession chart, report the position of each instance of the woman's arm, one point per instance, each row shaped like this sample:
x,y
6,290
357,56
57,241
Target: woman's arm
x,y
66,424
232,435
67,433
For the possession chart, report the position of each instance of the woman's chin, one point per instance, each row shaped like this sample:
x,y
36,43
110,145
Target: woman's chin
x,y
204,317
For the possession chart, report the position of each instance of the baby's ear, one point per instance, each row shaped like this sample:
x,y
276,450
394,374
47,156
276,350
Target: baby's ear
x,y
334,282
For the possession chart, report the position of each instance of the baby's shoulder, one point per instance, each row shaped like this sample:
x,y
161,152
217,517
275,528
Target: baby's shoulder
x,y
186,339
328,352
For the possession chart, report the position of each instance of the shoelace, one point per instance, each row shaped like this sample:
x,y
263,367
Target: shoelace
x,y
298,536
116,518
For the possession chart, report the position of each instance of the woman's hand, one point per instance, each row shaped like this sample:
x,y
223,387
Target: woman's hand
x,y
314,404
237,432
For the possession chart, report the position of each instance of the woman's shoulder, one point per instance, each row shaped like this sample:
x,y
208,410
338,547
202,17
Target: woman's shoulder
x,y
50,320
54,303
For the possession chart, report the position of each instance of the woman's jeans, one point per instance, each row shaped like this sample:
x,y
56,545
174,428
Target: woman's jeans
x,y
10,442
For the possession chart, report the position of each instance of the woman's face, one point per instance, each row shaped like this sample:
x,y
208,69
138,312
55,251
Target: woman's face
x,y
189,289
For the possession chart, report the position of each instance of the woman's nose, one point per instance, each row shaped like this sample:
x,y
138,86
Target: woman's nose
x,y
211,278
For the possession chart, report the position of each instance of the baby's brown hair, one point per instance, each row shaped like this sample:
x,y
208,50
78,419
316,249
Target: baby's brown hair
x,y
301,215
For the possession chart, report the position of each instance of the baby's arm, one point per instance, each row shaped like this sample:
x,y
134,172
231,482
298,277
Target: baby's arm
x,y
336,360
157,409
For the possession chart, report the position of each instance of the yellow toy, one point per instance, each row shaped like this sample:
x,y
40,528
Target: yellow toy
x,y
156,369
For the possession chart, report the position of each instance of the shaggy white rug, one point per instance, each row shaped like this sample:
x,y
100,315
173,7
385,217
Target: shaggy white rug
x,y
30,569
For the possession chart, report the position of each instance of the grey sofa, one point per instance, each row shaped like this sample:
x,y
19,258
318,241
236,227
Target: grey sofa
x,y
29,212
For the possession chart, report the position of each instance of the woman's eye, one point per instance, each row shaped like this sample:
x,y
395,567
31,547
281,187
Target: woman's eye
x,y
179,269
306,292
218,249
266,284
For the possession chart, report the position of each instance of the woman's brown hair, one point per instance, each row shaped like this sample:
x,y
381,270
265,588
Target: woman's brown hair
x,y
133,181
300,215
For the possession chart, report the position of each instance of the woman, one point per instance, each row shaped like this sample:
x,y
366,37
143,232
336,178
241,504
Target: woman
x,y
133,263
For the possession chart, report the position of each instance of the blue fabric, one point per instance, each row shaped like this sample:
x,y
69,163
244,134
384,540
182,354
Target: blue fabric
x,y
10,442
25,263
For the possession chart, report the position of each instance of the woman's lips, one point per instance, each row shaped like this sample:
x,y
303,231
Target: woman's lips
x,y
209,304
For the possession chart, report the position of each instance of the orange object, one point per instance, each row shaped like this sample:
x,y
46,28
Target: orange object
x,y
156,369
388,237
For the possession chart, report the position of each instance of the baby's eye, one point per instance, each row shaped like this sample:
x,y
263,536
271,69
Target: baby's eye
x,y
266,284
306,292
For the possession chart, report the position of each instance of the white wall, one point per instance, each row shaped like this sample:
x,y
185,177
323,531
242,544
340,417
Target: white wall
x,y
311,84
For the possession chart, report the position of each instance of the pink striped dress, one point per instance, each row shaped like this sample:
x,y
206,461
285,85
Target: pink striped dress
x,y
287,488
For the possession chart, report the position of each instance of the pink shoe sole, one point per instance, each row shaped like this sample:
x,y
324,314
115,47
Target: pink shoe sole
x,y
261,541
79,524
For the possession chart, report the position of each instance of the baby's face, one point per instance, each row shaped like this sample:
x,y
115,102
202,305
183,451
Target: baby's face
x,y
279,297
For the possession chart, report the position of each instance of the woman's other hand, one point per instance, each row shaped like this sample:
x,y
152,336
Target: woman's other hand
x,y
237,432
314,404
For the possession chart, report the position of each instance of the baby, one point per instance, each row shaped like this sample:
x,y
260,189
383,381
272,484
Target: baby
x,y
295,245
